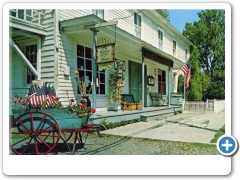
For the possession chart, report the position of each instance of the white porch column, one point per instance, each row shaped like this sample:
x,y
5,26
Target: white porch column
x,y
143,72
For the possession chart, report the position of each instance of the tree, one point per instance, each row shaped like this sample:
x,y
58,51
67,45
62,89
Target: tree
x,y
164,13
208,35
195,90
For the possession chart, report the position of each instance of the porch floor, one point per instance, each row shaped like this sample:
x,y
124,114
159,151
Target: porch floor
x,y
153,112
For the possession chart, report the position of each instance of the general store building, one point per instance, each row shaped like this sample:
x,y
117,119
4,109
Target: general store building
x,y
51,44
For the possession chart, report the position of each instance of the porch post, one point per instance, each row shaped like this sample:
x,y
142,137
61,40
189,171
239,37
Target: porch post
x,y
169,96
143,72
39,47
94,69
184,88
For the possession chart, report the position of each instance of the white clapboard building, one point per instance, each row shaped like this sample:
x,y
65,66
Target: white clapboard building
x,y
51,44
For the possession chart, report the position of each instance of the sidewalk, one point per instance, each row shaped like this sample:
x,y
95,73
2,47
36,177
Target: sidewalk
x,y
184,127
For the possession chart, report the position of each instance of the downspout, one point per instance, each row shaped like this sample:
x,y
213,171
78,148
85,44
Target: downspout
x,y
56,47
143,71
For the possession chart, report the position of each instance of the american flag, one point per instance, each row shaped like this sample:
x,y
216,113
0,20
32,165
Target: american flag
x,y
187,71
37,101
37,96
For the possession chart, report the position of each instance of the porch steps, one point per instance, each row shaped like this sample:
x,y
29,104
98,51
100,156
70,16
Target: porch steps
x,y
158,114
145,115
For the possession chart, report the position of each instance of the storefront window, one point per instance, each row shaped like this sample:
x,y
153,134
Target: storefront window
x,y
84,66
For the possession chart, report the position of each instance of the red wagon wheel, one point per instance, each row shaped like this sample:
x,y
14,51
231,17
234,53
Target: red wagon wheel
x,y
34,133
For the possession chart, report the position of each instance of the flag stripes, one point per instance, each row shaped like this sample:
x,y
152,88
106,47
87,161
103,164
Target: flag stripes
x,y
37,101
187,71
37,96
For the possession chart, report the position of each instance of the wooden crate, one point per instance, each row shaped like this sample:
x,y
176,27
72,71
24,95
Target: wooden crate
x,y
130,106
139,105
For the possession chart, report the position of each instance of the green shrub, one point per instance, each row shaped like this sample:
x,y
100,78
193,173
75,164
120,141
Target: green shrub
x,y
219,133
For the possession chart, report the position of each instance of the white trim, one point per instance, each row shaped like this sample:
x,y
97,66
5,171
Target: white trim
x,y
39,54
25,60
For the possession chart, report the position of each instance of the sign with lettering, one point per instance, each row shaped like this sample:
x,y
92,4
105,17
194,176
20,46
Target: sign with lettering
x,y
157,58
105,53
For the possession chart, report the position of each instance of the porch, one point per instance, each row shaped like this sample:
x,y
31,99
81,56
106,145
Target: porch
x,y
149,113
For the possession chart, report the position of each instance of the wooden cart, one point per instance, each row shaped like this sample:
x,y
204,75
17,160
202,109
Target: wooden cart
x,y
39,132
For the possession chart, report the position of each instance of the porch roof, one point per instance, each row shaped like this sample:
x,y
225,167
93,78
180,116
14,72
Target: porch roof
x,y
22,25
79,24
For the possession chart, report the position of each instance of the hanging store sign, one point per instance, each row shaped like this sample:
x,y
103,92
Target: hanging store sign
x,y
105,53
157,58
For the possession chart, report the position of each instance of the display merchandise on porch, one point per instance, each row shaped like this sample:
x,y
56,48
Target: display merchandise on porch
x,y
116,83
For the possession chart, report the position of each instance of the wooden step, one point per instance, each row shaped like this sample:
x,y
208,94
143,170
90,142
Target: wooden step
x,y
157,115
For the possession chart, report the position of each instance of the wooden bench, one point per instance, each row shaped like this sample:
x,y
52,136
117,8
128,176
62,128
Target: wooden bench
x,y
158,99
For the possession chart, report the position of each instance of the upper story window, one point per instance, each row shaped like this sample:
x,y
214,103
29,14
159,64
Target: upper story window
x,y
138,24
98,12
174,48
25,14
31,55
160,38
84,66
186,52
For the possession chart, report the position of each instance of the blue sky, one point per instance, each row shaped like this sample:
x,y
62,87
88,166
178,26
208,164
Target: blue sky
x,y
178,18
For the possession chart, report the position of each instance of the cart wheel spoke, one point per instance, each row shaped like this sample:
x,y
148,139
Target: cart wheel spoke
x,y
44,143
36,146
34,133
26,147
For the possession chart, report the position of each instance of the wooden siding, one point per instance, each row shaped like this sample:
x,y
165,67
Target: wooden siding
x,y
127,24
67,85
47,54
150,32
65,14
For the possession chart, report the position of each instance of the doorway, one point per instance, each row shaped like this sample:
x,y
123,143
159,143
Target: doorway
x,y
135,81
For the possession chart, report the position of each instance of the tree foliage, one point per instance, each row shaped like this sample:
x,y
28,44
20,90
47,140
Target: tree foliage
x,y
164,13
208,35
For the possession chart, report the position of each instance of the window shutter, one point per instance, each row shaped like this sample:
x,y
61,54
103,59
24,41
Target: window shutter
x,y
135,18
140,21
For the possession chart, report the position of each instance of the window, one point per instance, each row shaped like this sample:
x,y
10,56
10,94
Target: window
x,y
186,52
98,12
31,55
25,14
137,19
160,39
137,22
162,82
174,48
84,66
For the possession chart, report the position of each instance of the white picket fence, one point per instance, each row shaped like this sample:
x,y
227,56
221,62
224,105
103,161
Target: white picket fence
x,y
200,106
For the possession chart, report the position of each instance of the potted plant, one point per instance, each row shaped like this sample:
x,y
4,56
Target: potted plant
x,y
83,83
81,111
